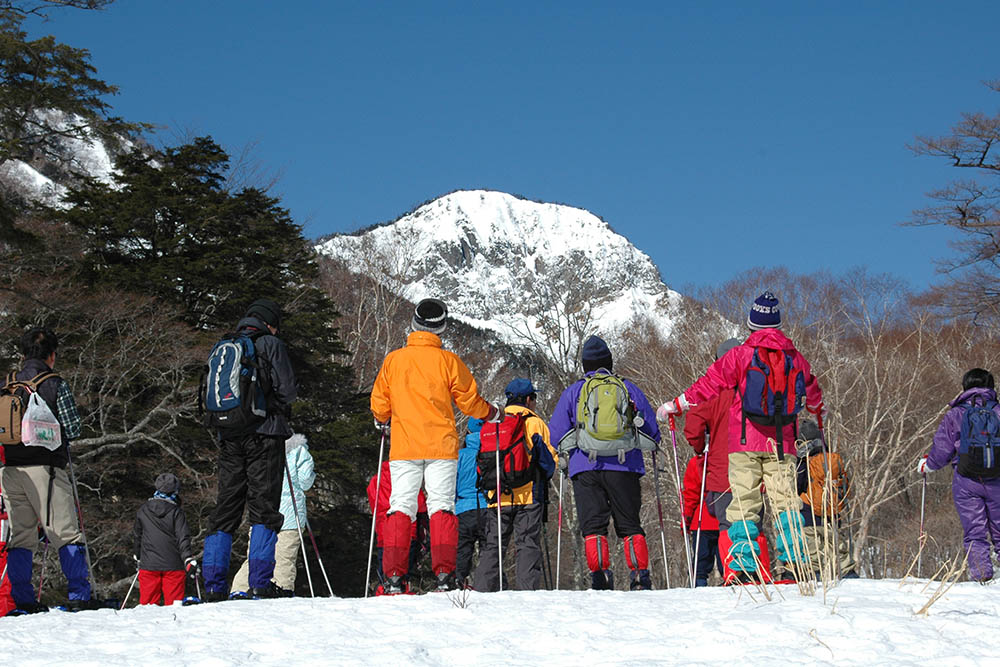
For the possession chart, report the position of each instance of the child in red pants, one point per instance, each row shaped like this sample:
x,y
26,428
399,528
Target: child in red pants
x,y
163,545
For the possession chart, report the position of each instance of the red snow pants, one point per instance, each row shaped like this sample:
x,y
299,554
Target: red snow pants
x,y
154,582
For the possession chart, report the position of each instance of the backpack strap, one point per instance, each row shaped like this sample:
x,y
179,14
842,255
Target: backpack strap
x,y
35,382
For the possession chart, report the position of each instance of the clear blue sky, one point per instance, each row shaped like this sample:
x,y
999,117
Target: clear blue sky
x,y
715,135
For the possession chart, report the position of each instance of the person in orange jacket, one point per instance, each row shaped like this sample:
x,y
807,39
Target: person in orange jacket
x,y
414,390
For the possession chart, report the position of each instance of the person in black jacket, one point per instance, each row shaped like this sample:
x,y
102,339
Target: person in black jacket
x,y
163,544
37,487
251,467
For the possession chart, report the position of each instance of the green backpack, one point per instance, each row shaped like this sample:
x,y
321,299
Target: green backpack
x,y
606,419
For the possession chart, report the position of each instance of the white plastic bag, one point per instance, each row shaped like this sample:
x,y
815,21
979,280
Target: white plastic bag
x,y
39,427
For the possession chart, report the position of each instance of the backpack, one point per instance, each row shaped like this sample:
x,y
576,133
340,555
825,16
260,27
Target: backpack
x,y
774,392
828,484
516,464
606,419
236,384
14,397
979,440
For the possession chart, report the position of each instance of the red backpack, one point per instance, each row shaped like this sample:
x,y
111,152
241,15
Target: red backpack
x,y
516,466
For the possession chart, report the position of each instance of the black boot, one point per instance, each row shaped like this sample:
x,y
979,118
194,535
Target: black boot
x,y
602,580
25,608
394,586
214,596
446,581
272,590
639,580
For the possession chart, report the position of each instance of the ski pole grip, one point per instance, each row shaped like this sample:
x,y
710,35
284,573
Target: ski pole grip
x,y
819,420
673,424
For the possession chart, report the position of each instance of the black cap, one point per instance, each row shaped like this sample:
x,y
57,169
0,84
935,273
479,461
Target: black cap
x,y
268,311
430,315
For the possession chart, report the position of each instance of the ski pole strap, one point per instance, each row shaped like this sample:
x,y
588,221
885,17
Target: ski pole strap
x,y
672,422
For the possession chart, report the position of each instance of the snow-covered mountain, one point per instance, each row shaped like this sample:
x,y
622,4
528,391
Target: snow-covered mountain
x,y
513,266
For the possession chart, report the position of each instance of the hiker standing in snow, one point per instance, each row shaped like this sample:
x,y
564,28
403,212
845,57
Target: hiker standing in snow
x,y
767,371
521,507
601,424
823,485
286,550
702,527
252,465
419,544
37,487
162,545
414,390
470,504
969,439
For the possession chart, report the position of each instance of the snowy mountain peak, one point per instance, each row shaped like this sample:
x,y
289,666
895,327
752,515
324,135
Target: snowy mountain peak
x,y
513,266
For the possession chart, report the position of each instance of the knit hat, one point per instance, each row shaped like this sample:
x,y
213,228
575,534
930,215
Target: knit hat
x,y
268,311
764,313
167,483
809,430
430,315
519,388
726,346
595,354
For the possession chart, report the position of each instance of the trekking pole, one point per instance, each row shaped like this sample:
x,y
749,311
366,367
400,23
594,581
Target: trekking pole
x,y
546,561
41,574
680,497
79,514
312,538
499,524
559,524
701,507
920,539
134,579
298,525
371,542
659,512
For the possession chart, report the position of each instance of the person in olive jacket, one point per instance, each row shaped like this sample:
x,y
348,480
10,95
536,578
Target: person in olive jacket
x,y
163,544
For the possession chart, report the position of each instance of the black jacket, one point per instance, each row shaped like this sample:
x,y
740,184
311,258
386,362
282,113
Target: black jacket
x,y
21,455
162,537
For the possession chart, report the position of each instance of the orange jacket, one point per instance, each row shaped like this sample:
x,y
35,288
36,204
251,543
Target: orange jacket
x,y
415,388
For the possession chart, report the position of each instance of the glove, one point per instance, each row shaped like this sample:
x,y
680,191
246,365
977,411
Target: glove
x,y
564,462
136,559
677,406
191,567
687,522
922,468
382,426
496,415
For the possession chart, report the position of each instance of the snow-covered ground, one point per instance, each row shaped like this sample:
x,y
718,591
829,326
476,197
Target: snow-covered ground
x,y
862,622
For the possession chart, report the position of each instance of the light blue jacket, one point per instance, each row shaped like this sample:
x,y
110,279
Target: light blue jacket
x,y
467,496
300,465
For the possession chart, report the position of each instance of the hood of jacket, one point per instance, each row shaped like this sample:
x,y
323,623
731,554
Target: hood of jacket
x,y
968,394
295,442
773,339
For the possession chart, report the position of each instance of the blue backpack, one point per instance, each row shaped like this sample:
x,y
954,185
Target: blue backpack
x,y
236,386
979,440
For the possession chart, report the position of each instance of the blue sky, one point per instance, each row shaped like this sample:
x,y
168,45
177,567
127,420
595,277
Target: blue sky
x,y
716,136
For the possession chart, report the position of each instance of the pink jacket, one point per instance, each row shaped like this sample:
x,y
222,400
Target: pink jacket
x,y
730,371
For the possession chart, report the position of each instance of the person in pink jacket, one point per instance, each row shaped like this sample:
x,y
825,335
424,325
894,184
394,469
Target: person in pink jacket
x,y
771,378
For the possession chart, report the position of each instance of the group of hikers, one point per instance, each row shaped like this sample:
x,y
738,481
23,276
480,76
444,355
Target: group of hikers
x,y
444,494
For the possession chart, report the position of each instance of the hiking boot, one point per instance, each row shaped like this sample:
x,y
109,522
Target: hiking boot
x,y
785,577
214,596
394,586
639,580
602,580
83,605
741,578
446,581
851,574
272,590
29,608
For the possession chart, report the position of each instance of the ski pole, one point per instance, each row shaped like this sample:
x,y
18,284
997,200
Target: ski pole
x,y
562,476
659,513
135,579
680,497
499,523
298,526
701,507
79,514
41,573
371,542
920,539
312,538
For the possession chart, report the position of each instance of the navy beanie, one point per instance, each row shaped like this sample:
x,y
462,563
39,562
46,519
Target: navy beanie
x,y
764,313
595,354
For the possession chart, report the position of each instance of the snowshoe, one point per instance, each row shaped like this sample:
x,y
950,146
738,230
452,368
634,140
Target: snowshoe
x,y
190,600
28,608
82,605
446,581
240,595
272,590
395,586
639,580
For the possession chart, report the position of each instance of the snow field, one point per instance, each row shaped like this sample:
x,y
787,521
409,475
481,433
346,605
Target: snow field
x,y
863,622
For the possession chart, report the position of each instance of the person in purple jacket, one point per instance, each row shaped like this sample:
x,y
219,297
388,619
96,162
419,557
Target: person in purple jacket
x,y
606,472
975,486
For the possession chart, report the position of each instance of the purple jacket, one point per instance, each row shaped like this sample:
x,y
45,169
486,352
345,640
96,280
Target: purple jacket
x,y
946,440
564,420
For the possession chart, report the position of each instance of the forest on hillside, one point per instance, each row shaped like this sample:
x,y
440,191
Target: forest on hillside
x,y
141,273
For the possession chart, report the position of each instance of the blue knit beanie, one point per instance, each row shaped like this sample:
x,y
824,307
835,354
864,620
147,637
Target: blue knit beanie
x,y
764,313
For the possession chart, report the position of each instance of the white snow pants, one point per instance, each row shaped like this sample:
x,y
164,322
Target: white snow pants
x,y
437,477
